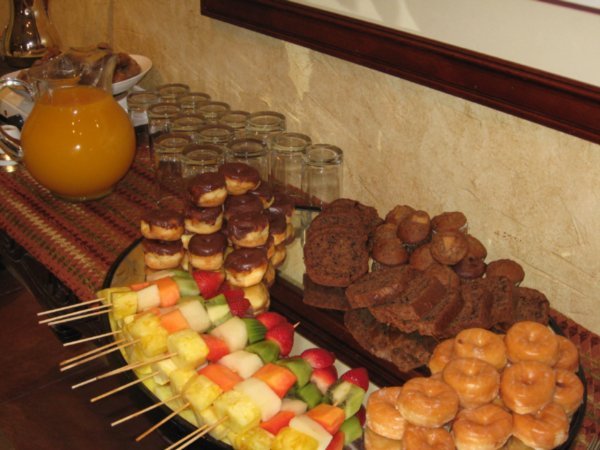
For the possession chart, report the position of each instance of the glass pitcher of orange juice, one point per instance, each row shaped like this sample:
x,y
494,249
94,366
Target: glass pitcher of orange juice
x,y
78,142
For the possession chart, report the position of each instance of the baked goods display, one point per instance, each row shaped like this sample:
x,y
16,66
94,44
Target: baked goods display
x,y
486,391
410,280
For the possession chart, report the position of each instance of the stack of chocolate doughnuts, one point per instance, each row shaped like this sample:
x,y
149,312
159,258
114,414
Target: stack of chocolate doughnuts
x,y
426,280
232,222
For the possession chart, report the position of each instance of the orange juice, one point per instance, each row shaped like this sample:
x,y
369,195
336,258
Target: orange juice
x,y
78,142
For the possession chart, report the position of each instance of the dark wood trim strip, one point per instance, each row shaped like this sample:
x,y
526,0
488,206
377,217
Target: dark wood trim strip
x,y
556,102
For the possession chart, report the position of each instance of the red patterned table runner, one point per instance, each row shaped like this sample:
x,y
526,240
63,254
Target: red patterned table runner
x,y
78,243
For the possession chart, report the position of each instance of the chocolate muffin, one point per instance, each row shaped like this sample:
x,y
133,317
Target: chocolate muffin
x,y
398,214
449,221
415,227
506,268
449,247
421,257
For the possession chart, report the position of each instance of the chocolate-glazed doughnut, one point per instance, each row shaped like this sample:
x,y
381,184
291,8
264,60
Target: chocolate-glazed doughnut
x,y
277,227
279,256
264,193
160,255
241,204
207,189
203,220
162,224
207,251
245,266
283,204
248,229
239,177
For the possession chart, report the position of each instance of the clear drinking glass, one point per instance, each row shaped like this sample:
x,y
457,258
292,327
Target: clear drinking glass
x,y
137,106
160,120
212,111
216,134
236,120
252,151
191,102
168,150
322,174
287,152
189,124
263,124
169,93
201,158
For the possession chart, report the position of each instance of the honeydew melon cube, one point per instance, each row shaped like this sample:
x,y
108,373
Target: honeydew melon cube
x,y
195,313
290,438
188,348
187,285
239,409
262,396
233,332
294,405
148,298
208,416
308,426
244,363
163,369
201,392
253,439
124,304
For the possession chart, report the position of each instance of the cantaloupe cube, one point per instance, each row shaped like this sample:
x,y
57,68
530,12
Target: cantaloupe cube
x,y
188,347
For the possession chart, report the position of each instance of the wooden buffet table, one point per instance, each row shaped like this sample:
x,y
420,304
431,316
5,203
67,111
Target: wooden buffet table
x,y
63,251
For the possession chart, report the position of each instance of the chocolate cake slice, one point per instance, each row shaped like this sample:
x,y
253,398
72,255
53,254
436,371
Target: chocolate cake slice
x,y
324,296
437,321
503,302
532,305
477,307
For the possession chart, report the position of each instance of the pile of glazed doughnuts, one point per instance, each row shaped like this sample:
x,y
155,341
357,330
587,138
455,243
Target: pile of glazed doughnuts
x,y
233,223
486,391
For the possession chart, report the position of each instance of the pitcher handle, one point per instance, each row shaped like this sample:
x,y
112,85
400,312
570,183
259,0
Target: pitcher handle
x,y
8,143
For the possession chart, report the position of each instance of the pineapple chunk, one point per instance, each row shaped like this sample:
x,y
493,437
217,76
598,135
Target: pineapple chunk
x,y
201,392
209,417
179,378
241,412
151,335
188,347
290,439
137,356
104,294
123,304
253,439
163,369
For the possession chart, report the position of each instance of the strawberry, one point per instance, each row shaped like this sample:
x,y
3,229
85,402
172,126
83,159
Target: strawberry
x,y
362,415
318,358
358,376
231,292
238,306
271,319
324,378
208,282
283,335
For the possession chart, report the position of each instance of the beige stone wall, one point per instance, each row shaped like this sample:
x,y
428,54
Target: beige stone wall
x,y
530,193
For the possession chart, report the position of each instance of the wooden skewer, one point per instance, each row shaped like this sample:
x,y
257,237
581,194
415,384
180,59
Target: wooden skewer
x,y
75,313
97,355
64,308
91,352
142,411
91,338
123,369
165,420
195,435
71,319
120,388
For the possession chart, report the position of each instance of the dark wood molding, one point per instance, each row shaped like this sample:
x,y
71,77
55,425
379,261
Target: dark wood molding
x,y
553,101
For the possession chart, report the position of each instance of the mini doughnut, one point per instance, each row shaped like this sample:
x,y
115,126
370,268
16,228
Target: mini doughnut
x,y
388,249
268,247
444,275
162,254
374,441
421,257
449,221
398,214
162,225
415,227
568,391
381,414
185,239
544,429
427,402
264,193
568,355
486,427
481,344
290,233
527,386
506,268
245,266
270,274
476,382
241,204
239,177
207,190
279,256
442,354
207,251
203,220
421,438
248,229
531,341
277,227
449,247
284,205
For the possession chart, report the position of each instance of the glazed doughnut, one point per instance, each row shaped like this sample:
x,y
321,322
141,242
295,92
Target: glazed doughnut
x,y
442,354
388,249
160,255
486,427
207,251
264,194
241,204
527,386
421,257
203,220
279,256
284,205
239,177
449,221
531,341
207,189
245,266
476,382
374,441
449,247
248,229
506,268
415,227
568,391
568,355
162,225
481,344
427,402
421,438
277,227
545,429
398,214
381,413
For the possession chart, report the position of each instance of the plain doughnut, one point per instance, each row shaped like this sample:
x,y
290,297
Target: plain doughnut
x,y
475,381
531,341
486,427
374,441
568,391
442,354
382,415
421,438
545,429
427,402
481,344
568,355
527,386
